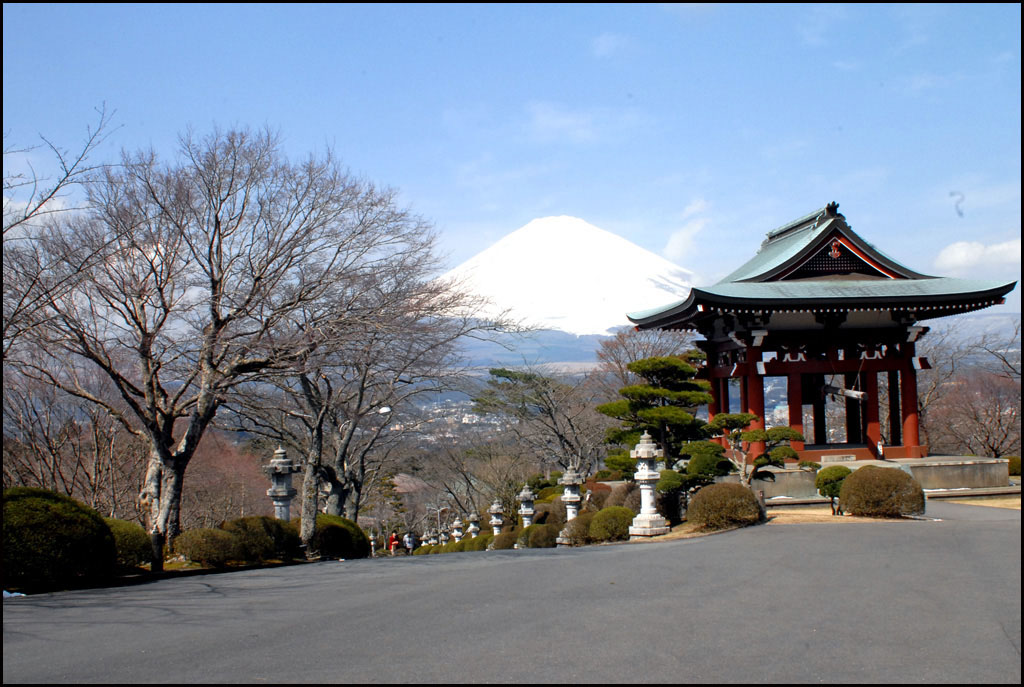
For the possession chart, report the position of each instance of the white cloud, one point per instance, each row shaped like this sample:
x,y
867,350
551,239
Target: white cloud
x,y
680,245
975,256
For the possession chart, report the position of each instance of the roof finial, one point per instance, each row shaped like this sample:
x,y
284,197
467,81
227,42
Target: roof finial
x,y
832,209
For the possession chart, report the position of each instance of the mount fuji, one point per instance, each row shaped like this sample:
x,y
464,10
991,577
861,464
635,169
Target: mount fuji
x,y
571,280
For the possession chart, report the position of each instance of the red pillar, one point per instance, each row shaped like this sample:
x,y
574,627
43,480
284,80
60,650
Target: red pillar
x,y
755,396
908,401
794,396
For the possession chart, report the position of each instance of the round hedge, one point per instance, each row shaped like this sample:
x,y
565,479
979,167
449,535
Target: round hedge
x,y
725,505
133,544
877,492
611,524
338,537
830,480
51,540
505,540
1014,465
577,531
210,547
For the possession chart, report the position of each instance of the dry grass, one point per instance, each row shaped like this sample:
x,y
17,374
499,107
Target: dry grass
x,y
1011,502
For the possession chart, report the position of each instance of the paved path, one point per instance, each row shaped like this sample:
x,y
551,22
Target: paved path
x,y
918,601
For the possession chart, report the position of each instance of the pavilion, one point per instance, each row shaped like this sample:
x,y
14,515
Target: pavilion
x,y
818,302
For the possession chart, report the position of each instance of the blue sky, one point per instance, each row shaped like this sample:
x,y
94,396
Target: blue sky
x,y
688,129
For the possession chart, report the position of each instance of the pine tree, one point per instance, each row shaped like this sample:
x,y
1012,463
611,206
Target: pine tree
x,y
664,406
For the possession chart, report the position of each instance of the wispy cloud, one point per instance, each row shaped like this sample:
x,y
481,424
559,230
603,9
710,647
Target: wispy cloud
x,y
682,243
556,123
975,256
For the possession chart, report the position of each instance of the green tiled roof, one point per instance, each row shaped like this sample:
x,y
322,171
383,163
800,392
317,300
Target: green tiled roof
x,y
762,281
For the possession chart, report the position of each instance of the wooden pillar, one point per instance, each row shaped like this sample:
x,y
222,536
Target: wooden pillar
x,y
873,428
723,394
755,396
795,399
895,420
908,401
854,433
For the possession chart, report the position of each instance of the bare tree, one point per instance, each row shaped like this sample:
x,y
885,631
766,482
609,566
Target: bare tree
x,y
552,415
210,267
31,203
352,400
1001,353
978,414
52,441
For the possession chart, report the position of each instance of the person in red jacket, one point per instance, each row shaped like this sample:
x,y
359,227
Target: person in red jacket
x,y
393,542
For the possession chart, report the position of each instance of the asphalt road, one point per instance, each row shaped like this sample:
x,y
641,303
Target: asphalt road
x,y
915,601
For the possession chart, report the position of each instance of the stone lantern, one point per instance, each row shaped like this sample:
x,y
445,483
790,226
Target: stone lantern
x,y
526,498
496,520
457,529
281,492
474,525
432,537
571,497
443,536
649,522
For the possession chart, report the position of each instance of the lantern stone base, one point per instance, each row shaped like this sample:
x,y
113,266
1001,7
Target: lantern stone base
x,y
648,526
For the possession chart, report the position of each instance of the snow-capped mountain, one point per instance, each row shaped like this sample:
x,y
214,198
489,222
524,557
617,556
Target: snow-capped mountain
x,y
566,274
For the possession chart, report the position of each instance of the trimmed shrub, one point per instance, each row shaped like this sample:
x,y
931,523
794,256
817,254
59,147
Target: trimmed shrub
x,y
611,524
881,493
210,547
506,540
550,514
543,536
725,505
549,494
338,537
256,540
578,531
830,480
423,550
480,542
132,542
1014,465
51,540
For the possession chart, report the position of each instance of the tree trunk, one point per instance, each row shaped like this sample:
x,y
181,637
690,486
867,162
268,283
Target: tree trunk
x,y
310,498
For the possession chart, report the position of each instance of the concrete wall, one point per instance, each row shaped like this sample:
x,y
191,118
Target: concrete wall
x,y
965,473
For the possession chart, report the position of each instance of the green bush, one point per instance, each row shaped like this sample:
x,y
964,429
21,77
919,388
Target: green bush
x,y
256,537
1014,465
830,480
549,494
423,550
611,524
506,540
881,493
210,547
132,541
51,540
578,530
543,536
709,465
725,505
338,537
481,542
